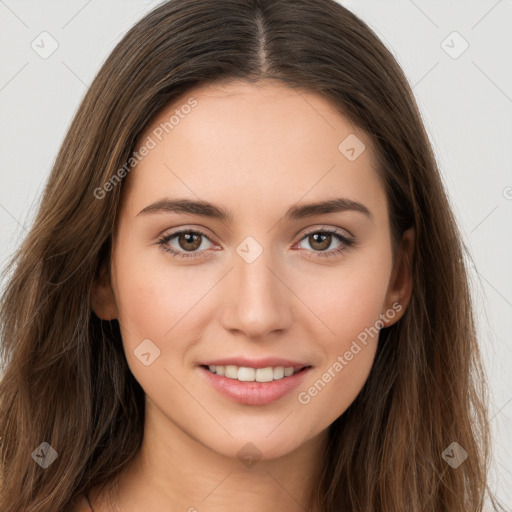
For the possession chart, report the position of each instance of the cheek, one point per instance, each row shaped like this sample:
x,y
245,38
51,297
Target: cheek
x,y
335,386
349,354
162,307
349,298
350,304
154,303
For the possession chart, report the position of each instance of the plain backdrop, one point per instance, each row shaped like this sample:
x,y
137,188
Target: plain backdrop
x,y
456,56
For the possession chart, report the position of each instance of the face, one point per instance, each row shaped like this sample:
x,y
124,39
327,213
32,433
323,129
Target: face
x,y
269,285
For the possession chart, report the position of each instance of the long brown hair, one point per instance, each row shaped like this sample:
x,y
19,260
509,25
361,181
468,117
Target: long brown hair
x,y
66,378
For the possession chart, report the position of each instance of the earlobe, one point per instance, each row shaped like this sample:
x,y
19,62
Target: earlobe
x,y
400,284
102,297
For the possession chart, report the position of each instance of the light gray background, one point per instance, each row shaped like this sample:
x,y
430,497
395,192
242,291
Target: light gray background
x,y
466,104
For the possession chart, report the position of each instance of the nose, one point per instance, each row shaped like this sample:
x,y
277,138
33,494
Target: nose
x,y
258,300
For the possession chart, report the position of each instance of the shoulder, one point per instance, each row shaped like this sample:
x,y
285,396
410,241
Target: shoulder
x,y
80,504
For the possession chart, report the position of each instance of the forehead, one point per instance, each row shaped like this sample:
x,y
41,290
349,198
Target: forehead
x,y
263,144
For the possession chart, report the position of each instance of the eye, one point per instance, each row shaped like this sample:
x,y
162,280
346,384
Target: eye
x,y
321,239
188,240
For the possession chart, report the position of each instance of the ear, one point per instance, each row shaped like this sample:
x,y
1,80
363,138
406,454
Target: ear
x,y
102,297
400,284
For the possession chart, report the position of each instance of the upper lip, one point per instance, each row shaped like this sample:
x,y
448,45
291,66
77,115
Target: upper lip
x,y
256,363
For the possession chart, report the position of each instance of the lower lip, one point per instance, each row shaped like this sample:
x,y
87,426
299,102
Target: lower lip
x,y
255,393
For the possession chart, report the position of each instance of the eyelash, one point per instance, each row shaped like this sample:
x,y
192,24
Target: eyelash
x,y
346,242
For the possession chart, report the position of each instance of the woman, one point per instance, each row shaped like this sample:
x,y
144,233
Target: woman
x,y
244,288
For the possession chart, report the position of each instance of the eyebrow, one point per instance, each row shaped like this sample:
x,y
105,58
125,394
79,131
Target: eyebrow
x,y
207,209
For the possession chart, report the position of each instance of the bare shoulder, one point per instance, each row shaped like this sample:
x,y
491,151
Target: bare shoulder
x,y
81,504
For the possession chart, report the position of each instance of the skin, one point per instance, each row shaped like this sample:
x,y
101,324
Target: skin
x,y
254,149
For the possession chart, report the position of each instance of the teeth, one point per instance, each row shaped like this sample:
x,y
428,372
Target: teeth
x,y
263,374
246,374
279,372
230,371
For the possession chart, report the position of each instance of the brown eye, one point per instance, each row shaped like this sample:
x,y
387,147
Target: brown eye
x,y
189,241
321,239
182,242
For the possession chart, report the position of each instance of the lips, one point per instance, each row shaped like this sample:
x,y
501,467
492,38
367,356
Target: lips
x,y
255,392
